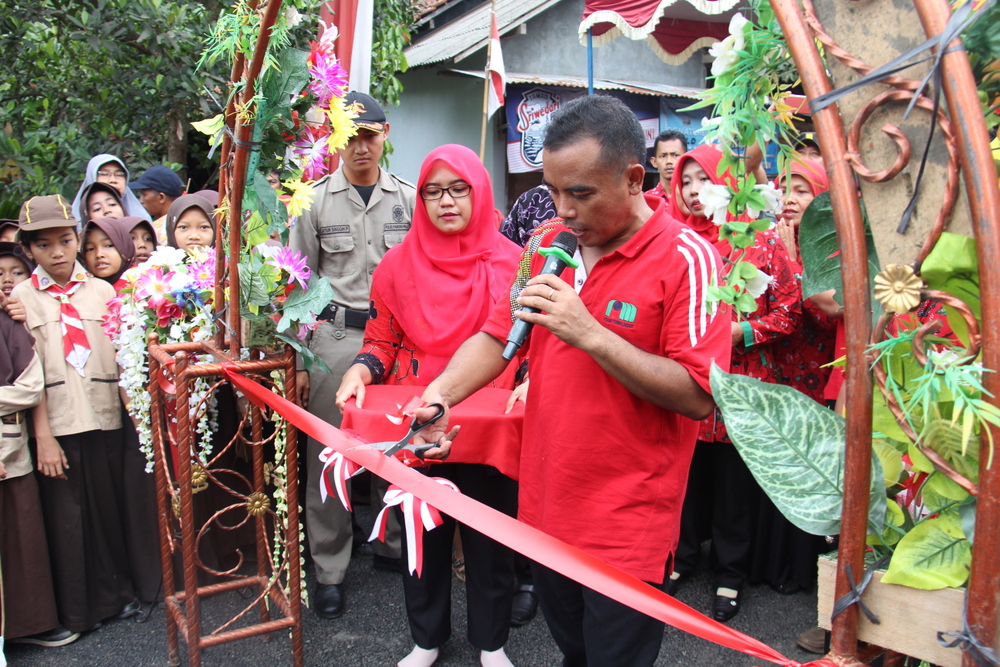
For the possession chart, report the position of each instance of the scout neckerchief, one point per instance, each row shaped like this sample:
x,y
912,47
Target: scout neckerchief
x,y
75,343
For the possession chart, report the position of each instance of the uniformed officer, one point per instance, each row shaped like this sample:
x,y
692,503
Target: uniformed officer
x,y
360,211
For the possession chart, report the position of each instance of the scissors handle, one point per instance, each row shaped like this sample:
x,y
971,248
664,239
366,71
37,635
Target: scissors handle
x,y
417,425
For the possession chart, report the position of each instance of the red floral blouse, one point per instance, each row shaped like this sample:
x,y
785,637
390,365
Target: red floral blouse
x,y
777,317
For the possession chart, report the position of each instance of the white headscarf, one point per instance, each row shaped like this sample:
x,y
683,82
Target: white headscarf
x,y
131,202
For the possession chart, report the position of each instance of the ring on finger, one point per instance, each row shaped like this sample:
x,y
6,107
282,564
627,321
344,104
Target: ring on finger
x,y
551,292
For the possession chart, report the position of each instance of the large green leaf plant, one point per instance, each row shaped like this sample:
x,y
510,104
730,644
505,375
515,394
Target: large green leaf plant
x,y
795,447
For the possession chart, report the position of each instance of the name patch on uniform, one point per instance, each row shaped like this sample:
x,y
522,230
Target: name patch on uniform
x,y
335,229
396,227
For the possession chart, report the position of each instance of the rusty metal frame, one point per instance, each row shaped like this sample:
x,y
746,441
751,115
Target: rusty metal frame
x,y
966,137
177,486
184,362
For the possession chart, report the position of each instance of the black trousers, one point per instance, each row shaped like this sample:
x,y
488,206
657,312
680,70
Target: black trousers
x,y
142,532
489,567
85,531
591,629
720,505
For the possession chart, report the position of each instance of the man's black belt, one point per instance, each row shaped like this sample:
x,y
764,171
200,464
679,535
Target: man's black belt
x,y
356,319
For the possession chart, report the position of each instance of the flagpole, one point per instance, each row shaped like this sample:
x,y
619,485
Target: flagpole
x,y
486,85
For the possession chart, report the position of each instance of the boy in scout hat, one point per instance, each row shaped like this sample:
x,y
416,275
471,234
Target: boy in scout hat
x,y
77,425
360,211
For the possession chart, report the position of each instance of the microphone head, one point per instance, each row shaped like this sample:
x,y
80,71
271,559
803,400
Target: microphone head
x,y
565,241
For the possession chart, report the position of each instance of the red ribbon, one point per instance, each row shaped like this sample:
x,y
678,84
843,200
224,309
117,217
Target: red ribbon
x,y
536,545
418,516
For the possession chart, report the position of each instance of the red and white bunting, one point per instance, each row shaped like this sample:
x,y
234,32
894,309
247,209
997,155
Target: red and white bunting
x,y
413,508
333,479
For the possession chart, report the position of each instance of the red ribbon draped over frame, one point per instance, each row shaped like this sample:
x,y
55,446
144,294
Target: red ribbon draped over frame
x,y
536,545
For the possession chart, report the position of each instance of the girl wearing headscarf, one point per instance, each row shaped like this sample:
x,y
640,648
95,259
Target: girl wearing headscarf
x,y
722,494
190,222
143,237
785,556
109,169
429,294
100,200
108,250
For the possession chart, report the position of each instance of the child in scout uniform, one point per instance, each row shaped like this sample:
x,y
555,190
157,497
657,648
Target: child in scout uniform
x,y
77,424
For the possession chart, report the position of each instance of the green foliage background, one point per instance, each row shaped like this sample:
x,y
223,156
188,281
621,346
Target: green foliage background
x,y
82,77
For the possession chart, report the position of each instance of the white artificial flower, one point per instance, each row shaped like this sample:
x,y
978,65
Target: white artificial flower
x,y
725,55
725,52
758,284
166,256
180,281
292,16
737,28
715,199
773,197
176,331
265,250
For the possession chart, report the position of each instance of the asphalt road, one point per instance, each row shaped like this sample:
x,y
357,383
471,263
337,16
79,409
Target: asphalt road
x,y
373,632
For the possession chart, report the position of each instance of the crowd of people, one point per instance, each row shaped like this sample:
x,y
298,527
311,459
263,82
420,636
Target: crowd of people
x,y
428,280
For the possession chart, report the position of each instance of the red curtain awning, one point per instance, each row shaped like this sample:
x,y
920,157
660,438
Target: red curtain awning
x,y
672,39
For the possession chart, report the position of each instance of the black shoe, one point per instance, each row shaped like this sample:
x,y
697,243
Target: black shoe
x,y
787,588
329,600
525,605
725,608
57,636
362,550
673,585
386,564
130,610
145,611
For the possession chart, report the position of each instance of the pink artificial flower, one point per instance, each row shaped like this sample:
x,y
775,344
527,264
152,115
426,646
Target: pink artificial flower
x,y
286,259
154,286
329,78
312,151
112,319
203,273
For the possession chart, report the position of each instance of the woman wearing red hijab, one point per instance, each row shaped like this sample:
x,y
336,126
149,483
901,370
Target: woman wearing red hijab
x,y
430,293
721,500
784,556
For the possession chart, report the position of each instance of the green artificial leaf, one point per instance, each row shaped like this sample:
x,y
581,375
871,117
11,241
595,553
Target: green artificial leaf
x,y
919,462
821,254
967,513
941,485
891,460
303,305
255,230
265,194
933,555
883,421
945,438
795,449
310,359
253,287
953,267
894,523
283,83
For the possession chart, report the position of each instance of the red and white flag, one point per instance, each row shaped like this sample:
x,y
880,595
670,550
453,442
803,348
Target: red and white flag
x,y
495,71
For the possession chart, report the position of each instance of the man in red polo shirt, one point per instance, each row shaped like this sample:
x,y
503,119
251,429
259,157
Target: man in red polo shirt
x,y
619,367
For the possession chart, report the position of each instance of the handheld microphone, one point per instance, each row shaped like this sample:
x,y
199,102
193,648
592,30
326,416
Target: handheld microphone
x,y
557,257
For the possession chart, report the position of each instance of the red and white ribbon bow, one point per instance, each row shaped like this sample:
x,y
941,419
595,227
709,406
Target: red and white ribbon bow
x,y
333,479
413,508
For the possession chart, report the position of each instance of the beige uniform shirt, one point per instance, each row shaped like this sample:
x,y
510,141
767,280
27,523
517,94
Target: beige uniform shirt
x,y
75,404
25,393
343,240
